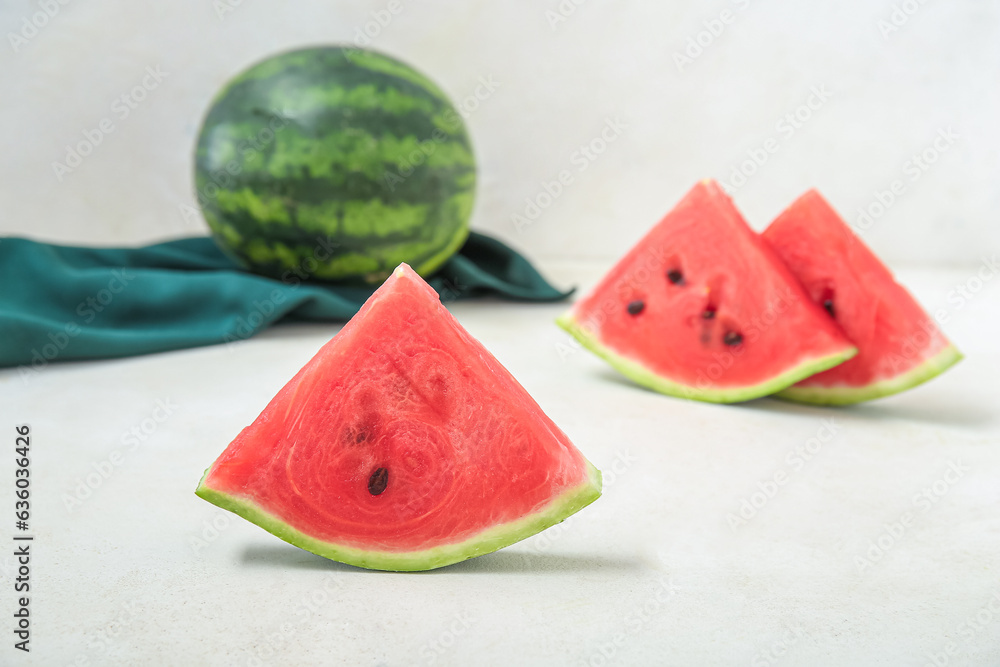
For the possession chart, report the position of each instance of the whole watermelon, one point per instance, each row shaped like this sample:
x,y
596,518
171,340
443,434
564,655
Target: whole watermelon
x,y
335,163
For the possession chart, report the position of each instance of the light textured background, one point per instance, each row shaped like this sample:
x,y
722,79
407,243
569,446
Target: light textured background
x,y
119,580
559,82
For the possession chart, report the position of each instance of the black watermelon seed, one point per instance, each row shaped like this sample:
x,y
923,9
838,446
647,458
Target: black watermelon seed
x,y
378,481
635,307
732,338
828,304
675,276
708,313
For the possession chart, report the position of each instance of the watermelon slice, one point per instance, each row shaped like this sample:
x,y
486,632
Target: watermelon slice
x,y
899,345
701,308
402,445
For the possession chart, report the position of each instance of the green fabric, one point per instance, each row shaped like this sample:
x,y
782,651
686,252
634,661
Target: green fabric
x,y
59,303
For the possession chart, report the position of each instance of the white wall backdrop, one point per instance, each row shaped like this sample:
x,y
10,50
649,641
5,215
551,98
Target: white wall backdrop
x,y
900,90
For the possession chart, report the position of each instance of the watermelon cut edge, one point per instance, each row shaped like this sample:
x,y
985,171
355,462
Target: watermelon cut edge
x,y
643,376
558,509
847,395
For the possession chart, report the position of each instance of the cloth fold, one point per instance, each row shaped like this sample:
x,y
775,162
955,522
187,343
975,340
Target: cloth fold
x,y
63,302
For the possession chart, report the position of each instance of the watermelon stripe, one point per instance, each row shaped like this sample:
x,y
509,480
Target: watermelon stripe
x,y
424,185
362,153
279,258
367,96
385,111
289,234
284,92
398,140
376,64
287,248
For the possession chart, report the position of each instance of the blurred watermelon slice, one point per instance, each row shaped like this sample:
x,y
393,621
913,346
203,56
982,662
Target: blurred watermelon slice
x,y
899,345
702,308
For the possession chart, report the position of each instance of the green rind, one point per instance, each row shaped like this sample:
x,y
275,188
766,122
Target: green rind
x,y
488,541
258,83
640,374
931,368
356,126
292,247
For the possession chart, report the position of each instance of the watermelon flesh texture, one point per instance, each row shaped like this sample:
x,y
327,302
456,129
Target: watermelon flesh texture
x,y
402,445
701,308
899,345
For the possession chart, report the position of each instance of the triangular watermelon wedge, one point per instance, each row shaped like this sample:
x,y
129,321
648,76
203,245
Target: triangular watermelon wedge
x,y
402,445
701,308
899,345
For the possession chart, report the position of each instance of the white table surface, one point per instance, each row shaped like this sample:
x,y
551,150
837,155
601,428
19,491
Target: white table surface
x,y
651,574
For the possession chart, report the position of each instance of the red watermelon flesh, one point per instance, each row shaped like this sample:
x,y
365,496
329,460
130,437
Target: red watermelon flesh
x,y
702,308
899,345
402,445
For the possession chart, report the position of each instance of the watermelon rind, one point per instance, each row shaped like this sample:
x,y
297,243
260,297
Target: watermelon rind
x,y
497,537
843,395
433,263
645,377
335,163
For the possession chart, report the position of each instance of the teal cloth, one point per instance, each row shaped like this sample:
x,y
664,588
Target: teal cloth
x,y
59,302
